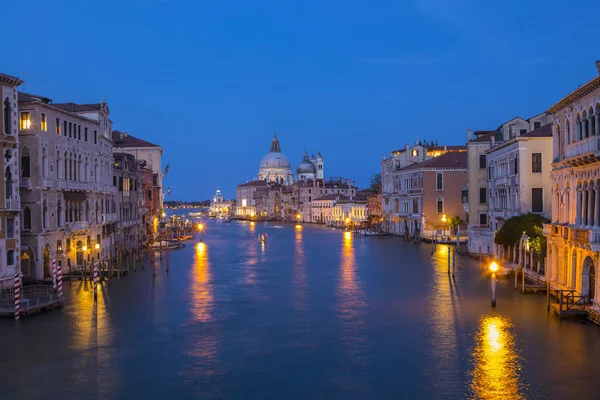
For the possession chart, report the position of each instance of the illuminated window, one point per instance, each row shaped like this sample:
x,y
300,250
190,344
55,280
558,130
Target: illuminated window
x,y
44,123
25,121
415,153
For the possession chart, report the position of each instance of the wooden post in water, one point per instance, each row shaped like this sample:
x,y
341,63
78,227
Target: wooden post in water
x,y
449,250
134,261
523,280
119,261
82,269
167,257
152,262
453,263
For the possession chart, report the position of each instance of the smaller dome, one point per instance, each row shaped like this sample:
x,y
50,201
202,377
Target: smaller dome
x,y
306,167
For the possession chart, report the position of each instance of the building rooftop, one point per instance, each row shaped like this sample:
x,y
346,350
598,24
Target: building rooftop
x,y
123,139
10,79
451,160
78,108
447,148
332,196
542,131
577,94
254,183
29,97
485,136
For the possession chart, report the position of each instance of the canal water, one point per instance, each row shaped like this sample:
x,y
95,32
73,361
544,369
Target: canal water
x,y
312,314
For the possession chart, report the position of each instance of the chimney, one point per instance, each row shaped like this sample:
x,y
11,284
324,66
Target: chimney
x,y
469,134
598,66
406,147
445,148
493,137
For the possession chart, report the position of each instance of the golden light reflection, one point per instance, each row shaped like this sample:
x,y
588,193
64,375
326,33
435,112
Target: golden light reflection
x,y
299,227
445,312
497,365
252,227
201,287
300,284
92,325
347,237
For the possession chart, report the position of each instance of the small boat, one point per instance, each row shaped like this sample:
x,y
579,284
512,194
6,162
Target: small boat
x,y
370,233
263,237
227,220
164,244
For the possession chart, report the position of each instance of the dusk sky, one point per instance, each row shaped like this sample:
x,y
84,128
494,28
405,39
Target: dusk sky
x,y
210,81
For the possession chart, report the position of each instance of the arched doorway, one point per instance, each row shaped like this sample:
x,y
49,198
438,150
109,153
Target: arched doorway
x,y
588,279
47,267
26,263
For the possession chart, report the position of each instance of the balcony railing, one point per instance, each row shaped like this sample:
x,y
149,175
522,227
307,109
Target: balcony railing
x,y
61,184
573,234
25,183
78,226
46,183
109,218
580,147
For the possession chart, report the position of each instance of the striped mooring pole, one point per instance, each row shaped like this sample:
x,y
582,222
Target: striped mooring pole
x,y
95,280
59,281
17,289
54,274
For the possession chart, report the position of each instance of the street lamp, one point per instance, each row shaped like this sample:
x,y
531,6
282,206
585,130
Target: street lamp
x,y
493,269
84,248
444,219
298,218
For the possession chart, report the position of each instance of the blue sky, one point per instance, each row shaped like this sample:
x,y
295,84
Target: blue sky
x,y
211,80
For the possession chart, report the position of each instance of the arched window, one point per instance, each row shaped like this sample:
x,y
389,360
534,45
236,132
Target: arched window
x,y
44,163
45,214
87,211
59,213
66,166
86,174
568,131
559,143
439,179
8,188
578,135
26,219
7,116
97,212
96,171
25,163
10,257
440,205
585,132
592,123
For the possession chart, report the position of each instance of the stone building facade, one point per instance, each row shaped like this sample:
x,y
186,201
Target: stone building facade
x,y
66,184
574,234
10,243
127,179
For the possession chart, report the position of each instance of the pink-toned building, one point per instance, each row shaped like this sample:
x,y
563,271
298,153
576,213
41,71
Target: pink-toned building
x,y
429,190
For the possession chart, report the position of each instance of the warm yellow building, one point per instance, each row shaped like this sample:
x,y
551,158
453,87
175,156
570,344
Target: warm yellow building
x,y
9,190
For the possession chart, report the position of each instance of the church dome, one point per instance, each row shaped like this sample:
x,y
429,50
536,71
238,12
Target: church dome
x,y
306,167
275,160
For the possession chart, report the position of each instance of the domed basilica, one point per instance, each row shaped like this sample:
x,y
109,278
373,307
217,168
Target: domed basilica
x,y
276,167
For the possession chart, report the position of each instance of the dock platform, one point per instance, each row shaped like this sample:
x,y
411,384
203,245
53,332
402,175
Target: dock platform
x,y
34,300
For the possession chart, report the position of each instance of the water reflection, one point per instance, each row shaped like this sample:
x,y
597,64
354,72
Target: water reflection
x,y
299,273
497,365
92,336
444,314
351,305
201,288
252,263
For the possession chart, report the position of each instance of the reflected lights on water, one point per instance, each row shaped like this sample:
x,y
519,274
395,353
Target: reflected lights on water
x,y
497,365
300,284
201,288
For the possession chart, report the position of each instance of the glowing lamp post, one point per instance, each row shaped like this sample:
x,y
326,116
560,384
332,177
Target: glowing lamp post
x,y
493,269
298,218
200,229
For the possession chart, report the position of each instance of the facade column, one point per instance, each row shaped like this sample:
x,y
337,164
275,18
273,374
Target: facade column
x,y
597,116
591,205
584,206
597,207
578,207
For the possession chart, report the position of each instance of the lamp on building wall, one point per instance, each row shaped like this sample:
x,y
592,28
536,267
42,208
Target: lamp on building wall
x,y
444,219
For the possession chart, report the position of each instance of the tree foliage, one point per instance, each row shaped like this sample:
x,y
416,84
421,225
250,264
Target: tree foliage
x,y
455,221
376,183
513,228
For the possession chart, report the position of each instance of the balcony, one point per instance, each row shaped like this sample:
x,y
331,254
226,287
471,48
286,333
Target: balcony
x,y
61,184
76,186
12,204
582,151
577,235
47,184
25,183
78,226
106,218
